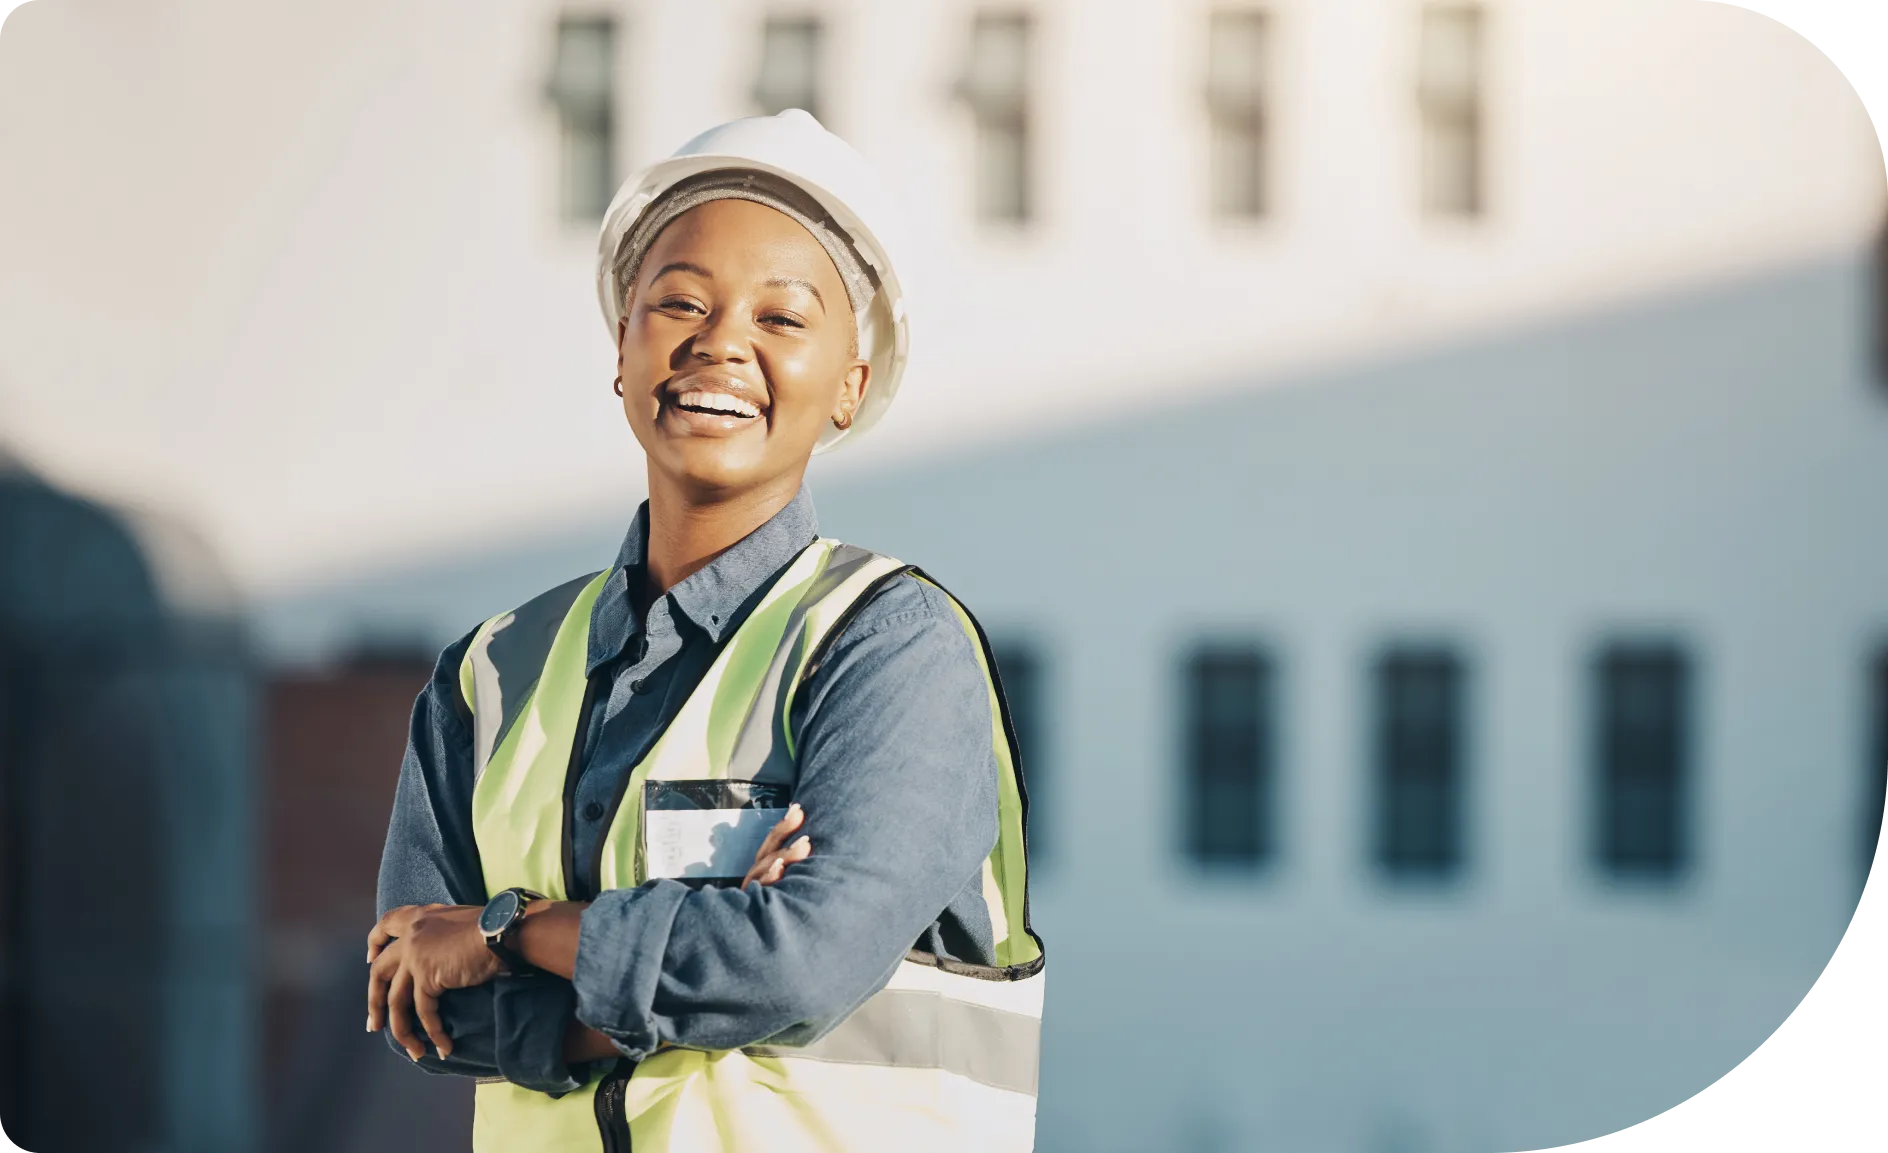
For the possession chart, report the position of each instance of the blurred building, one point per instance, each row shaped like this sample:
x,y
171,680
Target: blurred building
x,y
126,907
1421,464
333,739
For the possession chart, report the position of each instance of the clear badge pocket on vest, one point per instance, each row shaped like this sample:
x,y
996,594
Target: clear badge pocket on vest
x,y
706,832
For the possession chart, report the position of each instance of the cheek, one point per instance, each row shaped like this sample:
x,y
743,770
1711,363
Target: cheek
x,y
642,366
637,345
807,381
651,342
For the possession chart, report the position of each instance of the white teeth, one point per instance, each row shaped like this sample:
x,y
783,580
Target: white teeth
x,y
718,402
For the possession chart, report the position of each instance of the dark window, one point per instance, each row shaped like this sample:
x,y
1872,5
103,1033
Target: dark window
x,y
789,65
1236,79
1880,303
1229,756
1019,664
1419,751
1877,794
996,86
583,87
1642,728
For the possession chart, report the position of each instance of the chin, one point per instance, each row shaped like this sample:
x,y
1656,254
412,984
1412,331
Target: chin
x,y
713,471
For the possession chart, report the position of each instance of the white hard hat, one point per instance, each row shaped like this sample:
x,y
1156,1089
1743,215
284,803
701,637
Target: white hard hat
x,y
794,148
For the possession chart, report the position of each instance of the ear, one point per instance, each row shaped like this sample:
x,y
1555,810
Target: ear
x,y
852,389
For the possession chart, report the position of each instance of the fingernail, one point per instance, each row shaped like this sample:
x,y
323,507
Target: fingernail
x,y
793,808
801,841
370,1024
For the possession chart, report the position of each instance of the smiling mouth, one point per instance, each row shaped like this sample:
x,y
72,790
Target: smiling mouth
x,y
715,404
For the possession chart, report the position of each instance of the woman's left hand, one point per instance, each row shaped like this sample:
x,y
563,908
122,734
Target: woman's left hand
x,y
417,952
775,853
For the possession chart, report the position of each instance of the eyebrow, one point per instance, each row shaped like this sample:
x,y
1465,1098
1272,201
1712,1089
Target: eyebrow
x,y
771,282
681,266
795,282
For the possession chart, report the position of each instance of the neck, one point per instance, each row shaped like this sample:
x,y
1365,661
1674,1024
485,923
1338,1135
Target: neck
x,y
688,530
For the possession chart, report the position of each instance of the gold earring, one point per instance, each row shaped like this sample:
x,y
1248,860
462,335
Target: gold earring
x,y
843,421
619,386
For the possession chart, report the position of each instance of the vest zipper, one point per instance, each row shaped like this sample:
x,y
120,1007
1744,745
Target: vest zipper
x,y
612,1121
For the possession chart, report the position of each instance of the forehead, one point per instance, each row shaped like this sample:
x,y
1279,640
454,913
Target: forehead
x,y
743,239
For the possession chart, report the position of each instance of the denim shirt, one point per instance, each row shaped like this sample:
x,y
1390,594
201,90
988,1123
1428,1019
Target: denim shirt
x,y
896,777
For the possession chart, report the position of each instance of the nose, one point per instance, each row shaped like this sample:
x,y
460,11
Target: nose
x,y
722,340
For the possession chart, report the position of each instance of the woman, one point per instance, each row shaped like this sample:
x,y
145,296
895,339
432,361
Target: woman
x,y
722,847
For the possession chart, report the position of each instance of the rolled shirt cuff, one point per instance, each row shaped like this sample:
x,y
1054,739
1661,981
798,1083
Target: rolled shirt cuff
x,y
620,946
530,1014
467,1014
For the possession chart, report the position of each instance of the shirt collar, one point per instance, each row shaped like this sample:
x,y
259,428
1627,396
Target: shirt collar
x,y
713,595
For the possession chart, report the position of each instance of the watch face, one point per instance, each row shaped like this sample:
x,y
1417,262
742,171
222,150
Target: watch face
x,y
498,912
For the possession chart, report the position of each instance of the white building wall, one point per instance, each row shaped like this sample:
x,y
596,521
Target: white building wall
x,y
263,263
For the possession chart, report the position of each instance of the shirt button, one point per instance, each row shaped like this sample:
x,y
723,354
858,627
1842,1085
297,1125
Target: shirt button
x,y
592,811
638,685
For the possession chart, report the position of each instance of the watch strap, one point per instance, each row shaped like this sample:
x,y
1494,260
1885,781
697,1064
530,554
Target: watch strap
x,y
509,962
500,943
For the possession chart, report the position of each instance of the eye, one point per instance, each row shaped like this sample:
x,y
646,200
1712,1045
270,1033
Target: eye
x,y
681,304
782,320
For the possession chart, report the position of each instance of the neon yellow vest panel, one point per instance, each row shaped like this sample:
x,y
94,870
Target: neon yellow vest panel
x,y
944,1057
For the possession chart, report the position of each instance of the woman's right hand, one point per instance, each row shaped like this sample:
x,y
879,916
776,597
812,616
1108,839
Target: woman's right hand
x,y
776,853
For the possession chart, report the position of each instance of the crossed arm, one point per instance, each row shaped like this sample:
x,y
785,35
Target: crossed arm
x,y
902,810
418,952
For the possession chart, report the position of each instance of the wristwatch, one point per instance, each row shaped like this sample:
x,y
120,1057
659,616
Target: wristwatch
x,y
500,920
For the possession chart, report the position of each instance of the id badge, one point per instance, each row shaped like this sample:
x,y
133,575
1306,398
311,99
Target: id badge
x,y
707,832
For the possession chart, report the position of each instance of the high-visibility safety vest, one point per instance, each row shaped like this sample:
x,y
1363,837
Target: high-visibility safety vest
x,y
944,1057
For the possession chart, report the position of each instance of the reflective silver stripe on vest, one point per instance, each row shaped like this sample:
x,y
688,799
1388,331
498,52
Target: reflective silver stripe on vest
x,y
507,660
758,754
919,1029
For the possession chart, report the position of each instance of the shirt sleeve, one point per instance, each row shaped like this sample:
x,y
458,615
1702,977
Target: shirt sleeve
x,y
513,1026
899,785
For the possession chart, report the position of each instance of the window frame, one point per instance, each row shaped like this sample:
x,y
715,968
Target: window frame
x,y
1391,782
1028,709
1199,794
815,25
1009,110
1609,856
1229,113
1878,310
1460,108
600,121
1875,744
